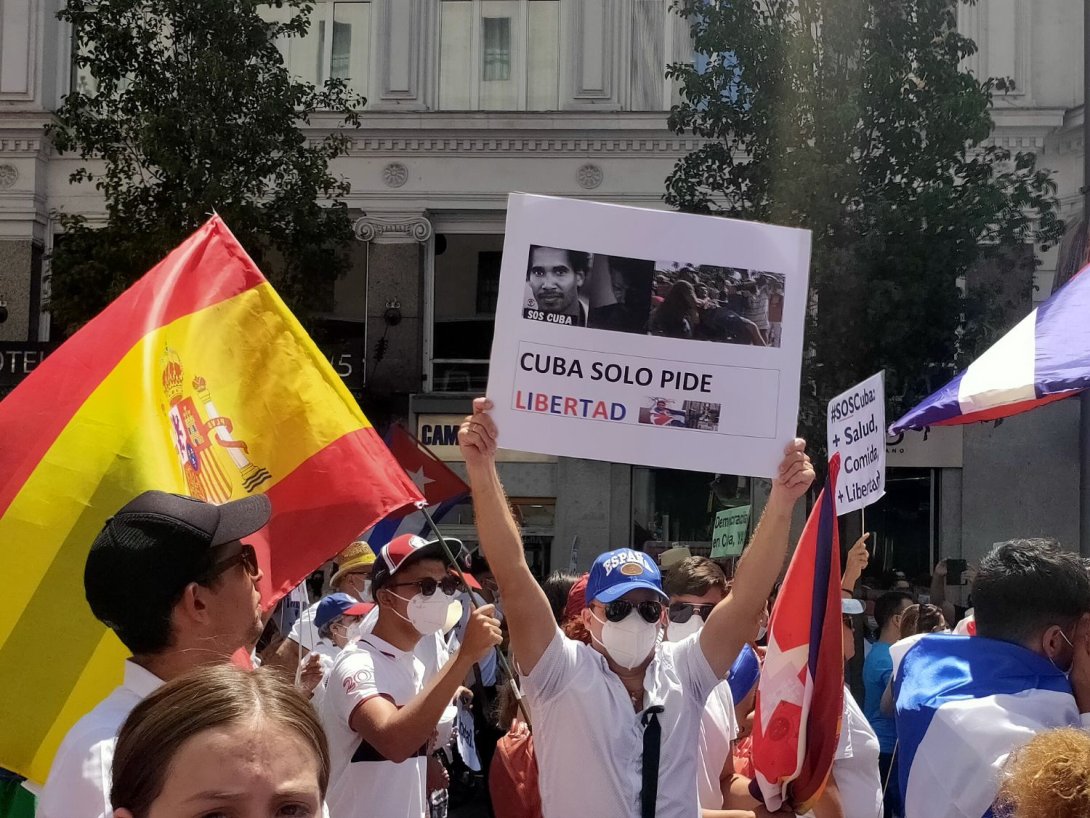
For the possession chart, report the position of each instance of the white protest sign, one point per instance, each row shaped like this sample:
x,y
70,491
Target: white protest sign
x,y
729,532
648,337
857,430
467,738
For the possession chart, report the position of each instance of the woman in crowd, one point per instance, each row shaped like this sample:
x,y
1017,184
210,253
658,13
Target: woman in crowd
x,y
925,618
221,740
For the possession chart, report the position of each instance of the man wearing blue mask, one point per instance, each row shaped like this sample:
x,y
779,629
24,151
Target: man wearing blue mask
x,y
616,722
964,703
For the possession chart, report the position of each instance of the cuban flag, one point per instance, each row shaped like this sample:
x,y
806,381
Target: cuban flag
x,y
664,416
800,695
441,487
963,705
1040,361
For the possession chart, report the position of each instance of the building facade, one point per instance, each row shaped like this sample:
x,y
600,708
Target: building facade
x,y
471,99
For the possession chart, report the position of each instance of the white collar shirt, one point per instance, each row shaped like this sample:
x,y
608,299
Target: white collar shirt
x,y
79,780
589,740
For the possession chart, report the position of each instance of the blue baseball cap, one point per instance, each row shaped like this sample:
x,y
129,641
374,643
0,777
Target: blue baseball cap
x,y
617,572
336,605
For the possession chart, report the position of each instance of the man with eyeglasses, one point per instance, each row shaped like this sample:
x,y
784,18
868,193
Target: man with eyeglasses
x,y
695,586
379,715
616,722
172,577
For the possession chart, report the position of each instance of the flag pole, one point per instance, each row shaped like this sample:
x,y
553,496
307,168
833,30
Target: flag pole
x,y
473,606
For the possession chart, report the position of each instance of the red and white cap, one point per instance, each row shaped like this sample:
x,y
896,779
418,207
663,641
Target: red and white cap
x,y
406,549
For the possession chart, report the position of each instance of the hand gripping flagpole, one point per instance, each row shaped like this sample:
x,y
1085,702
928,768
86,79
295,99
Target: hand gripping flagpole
x,y
473,606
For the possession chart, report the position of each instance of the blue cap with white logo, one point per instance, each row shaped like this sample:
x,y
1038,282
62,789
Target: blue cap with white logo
x,y
617,572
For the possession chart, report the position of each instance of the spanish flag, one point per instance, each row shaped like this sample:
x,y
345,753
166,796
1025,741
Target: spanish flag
x,y
197,380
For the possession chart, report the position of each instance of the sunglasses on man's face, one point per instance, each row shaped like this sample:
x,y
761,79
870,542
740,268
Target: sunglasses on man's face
x,y
427,586
618,609
682,612
245,555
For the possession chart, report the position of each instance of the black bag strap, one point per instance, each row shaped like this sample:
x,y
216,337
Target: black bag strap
x,y
652,745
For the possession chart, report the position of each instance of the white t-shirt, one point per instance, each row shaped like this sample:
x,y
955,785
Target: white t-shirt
x,y
80,778
718,728
855,765
589,740
362,782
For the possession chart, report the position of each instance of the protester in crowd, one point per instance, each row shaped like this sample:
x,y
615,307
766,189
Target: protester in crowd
x,y
854,789
220,741
557,586
965,702
897,580
172,578
1048,778
877,671
352,577
953,611
678,315
379,716
926,618
695,586
334,618
595,706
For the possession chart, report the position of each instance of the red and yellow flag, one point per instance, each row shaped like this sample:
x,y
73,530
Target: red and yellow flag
x,y
197,380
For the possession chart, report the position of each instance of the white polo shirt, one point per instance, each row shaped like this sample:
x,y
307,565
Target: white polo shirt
x,y
718,728
589,740
362,782
80,778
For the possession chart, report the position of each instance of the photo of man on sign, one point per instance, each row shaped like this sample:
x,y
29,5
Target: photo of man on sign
x,y
554,277
575,288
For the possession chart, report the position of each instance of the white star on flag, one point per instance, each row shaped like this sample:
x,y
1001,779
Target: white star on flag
x,y
781,681
419,478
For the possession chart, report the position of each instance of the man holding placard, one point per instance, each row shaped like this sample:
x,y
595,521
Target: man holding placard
x,y
615,721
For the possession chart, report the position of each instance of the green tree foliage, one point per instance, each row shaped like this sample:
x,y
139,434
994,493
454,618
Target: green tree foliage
x,y
857,120
194,111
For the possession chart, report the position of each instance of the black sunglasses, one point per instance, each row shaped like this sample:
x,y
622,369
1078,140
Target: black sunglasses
x,y
681,612
618,609
427,586
245,555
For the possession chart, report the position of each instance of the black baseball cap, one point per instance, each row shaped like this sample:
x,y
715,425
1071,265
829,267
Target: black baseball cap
x,y
157,544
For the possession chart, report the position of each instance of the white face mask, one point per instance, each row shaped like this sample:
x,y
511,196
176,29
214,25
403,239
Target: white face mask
x,y
629,641
365,593
428,614
761,631
355,631
676,631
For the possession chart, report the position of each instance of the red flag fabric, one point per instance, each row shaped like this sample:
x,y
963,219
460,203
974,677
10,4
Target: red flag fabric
x,y
800,696
432,476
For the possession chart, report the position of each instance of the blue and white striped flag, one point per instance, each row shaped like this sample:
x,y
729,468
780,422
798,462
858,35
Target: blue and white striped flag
x,y
964,703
